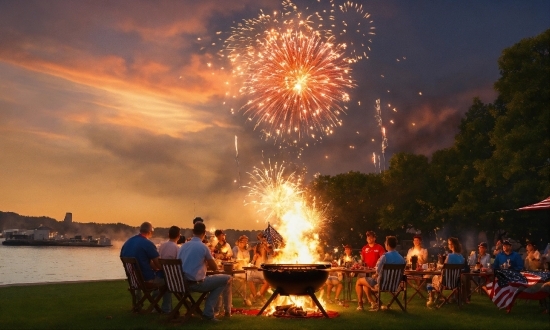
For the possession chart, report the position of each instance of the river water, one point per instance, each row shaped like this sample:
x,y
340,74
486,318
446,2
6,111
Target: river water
x,y
40,264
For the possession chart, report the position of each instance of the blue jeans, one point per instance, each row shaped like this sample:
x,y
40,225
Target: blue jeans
x,y
217,285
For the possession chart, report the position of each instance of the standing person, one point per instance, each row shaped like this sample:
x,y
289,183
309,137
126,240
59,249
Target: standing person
x,y
512,259
455,257
195,257
169,250
370,253
222,250
391,257
418,251
532,258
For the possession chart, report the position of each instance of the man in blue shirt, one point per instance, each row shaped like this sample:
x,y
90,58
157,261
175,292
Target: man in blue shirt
x,y
390,257
141,248
512,259
195,256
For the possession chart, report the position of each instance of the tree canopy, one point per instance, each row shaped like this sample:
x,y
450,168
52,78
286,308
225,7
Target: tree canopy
x,y
499,161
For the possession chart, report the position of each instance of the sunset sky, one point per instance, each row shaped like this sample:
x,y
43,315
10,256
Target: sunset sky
x,y
109,110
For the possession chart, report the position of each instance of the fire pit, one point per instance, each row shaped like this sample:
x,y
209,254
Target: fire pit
x,y
295,279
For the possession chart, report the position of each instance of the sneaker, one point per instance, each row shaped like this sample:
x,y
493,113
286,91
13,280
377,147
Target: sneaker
x,y
373,308
360,307
384,307
227,314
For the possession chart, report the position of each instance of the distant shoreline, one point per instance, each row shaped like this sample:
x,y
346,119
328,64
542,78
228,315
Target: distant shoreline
x,y
61,282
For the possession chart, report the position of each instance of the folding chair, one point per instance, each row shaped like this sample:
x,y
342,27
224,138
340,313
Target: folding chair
x,y
175,281
136,283
450,280
393,281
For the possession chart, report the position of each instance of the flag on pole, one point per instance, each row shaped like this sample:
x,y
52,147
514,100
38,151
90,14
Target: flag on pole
x,y
273,237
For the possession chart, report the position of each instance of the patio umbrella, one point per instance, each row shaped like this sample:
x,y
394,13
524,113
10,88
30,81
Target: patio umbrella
x,y
542,205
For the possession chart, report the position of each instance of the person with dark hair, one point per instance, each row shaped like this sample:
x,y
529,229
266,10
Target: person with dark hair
x,y
169,250
507,258
257,276
195,257
418,251
370,253
197,219
392,257
455,257
222,250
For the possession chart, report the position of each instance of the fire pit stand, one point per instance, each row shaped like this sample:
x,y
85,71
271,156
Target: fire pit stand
x,y
295,279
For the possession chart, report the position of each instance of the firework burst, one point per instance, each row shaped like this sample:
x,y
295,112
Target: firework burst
x,y
293,67
297,85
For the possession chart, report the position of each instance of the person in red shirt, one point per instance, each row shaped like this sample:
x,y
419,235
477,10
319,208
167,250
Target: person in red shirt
x,y
370,253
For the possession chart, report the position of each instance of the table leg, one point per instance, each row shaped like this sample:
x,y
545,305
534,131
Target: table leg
x,y
417,284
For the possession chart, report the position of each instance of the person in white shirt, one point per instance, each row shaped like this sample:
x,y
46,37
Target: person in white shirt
x,y
532,258
418,250
481,257
169,250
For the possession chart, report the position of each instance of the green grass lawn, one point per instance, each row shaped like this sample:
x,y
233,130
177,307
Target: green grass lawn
x,y
106,305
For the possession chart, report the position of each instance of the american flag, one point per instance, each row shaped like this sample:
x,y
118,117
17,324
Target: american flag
x,y
507,285
273,237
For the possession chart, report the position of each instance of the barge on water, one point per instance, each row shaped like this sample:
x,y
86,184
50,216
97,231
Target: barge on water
x,y
42,236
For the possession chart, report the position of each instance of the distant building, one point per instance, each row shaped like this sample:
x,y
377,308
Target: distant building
x,y
43,233
68,218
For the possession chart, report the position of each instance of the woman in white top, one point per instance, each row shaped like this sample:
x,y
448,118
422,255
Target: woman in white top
x,y
418,250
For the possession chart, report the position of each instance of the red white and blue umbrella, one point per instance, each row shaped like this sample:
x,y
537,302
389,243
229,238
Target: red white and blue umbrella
x,y
542,205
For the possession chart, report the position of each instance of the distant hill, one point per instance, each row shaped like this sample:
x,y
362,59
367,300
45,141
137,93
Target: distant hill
x,y
115,231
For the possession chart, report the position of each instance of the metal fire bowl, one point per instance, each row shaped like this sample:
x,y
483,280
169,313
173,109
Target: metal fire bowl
x,y
296,279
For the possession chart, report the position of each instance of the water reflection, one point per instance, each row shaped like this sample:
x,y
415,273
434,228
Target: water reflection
x,y
33,264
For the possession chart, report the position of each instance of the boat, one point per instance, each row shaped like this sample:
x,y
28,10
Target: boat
x,y
28,240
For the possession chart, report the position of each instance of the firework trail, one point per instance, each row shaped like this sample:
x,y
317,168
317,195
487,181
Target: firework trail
x,y
294,67
384,143
237,160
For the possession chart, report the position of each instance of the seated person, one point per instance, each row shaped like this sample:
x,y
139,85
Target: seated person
x,y
256,276
222,250
146,254
195,257
370,253
481,257
455,257
347,259
418,251
391,257
532,257
508,258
